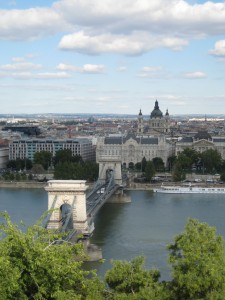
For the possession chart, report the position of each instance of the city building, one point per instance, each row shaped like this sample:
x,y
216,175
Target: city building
x,y
4,156
157,123
132,149
25,129
26,148
201,142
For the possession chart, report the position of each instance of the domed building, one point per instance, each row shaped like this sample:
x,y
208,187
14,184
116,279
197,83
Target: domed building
x,y
157,124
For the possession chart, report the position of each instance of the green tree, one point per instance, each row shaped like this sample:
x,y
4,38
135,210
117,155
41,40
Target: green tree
x,y
212,160
43,158
198,263
149,170
65,155
192,154
18,177
130,280
222,177
69,170
38,169
138,166
178,173
90,170
158,164
19,164
171,162
32,267
184,161
143,164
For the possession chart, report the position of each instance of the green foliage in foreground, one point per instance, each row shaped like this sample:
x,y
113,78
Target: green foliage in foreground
x,y
31,267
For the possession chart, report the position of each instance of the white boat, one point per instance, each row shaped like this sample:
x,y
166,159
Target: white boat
x,y
189,190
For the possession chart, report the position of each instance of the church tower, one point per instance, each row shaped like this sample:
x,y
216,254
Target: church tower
x,y
140,129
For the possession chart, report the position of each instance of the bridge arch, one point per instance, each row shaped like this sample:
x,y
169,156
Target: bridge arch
x,y
67,196
106,165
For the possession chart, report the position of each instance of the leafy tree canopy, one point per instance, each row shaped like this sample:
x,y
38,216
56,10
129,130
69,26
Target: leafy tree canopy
x,y
32,268
198,263
178,173
158,164
69,170
65,155
43,158
211,159
149,170
130,280
20,164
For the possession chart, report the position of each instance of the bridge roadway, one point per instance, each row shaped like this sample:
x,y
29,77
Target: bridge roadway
x,y
96,199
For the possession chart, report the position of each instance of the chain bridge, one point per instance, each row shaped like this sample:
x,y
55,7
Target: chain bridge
x,y
72,207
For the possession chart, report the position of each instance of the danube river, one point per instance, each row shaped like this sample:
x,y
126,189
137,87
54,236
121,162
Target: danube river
x,y
143,227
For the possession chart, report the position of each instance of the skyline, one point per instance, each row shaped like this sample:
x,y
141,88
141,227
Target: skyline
x,y
74,56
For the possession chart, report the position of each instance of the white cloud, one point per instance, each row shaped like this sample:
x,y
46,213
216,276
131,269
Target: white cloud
x,y
19,66
113,26
152,72
122,69
52,75
157,16
87,68
219,48
30,75
195,75
29,24
134,44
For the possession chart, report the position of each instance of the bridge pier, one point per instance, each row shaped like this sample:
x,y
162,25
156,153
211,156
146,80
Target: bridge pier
x,y
72,192
119,197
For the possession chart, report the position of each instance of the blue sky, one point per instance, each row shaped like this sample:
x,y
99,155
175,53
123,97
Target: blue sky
x,y
112,56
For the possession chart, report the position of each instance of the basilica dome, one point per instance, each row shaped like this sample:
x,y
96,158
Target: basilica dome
x,y
156,113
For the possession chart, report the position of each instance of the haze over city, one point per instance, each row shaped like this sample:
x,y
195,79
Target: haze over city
x,y
118,57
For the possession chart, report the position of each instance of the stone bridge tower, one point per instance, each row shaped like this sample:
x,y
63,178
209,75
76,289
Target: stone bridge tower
x,y
108,163
70,192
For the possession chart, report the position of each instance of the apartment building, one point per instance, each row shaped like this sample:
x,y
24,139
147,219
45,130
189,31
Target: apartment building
x,y
26,148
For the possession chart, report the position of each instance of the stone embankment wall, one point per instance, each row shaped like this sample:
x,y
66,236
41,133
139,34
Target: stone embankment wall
x,y
22,184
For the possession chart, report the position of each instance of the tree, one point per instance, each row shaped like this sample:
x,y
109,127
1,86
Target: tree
x,y
138,166
178,173
31,267
198,263
158,164
43,158
65,155
149,170
69,170
19,164
38,169
143,164
211,159
129,280
192,154
184,161
222,177
171,161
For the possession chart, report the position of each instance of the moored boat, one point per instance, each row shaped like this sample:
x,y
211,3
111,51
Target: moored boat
x,y
189,190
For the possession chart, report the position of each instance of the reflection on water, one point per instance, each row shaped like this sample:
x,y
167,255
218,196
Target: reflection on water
x,y
143,227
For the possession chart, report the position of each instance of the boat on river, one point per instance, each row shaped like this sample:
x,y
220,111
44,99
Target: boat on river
x,y
189,190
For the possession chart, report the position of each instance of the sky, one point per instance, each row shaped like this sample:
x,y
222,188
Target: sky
x,y
112,56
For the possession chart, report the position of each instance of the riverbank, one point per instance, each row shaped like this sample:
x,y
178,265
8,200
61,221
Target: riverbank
x,y
132,186
22,184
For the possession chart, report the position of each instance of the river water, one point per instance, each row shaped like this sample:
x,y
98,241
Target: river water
x,y
143,227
